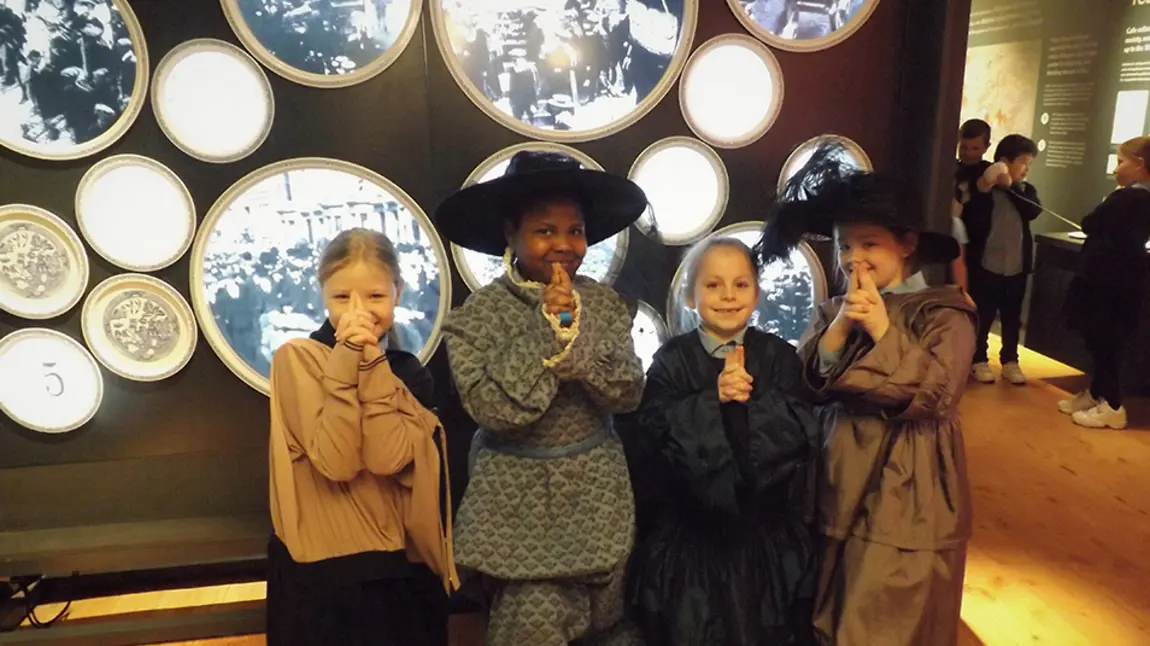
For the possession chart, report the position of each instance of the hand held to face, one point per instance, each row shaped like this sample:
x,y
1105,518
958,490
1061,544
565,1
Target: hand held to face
x,y
865,306
558,296
357,325
735,383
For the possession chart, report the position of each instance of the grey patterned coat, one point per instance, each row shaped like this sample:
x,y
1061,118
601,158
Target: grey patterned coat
x,y
530,518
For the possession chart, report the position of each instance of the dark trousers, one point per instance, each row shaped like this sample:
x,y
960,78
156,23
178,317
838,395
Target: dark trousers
x,y
1106,354
997,296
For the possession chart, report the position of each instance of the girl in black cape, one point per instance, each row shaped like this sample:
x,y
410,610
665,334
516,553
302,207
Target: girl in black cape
x,y
725,449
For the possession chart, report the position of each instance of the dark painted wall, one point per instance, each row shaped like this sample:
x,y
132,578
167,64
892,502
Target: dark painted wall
x,y
195,445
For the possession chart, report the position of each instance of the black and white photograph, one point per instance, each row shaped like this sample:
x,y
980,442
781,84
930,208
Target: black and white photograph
x,y
786,302
68,73
261,258
325,37
565,65
802,19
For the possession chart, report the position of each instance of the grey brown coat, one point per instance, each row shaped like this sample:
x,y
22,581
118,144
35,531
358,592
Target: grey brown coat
x,y
895,501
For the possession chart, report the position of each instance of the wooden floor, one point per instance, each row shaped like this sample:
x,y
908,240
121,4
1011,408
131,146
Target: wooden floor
x,y
1061,550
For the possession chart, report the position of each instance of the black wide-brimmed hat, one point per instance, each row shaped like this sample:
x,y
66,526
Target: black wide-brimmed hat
x,y
474,216
826,192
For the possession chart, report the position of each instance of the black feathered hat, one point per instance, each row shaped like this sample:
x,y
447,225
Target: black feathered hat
x,y
474,216
825,192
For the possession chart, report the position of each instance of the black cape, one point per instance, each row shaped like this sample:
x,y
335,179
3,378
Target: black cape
x,y
724,496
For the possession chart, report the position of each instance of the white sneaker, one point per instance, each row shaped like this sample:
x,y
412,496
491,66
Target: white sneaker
x,y
1082,401
1101,416
1012,373
981,373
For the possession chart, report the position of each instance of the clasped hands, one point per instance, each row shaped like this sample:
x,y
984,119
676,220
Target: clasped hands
x,y
863,306
735,383
358,326
559,294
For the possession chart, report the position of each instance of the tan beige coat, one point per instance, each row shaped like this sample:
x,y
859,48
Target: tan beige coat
x,y
894,500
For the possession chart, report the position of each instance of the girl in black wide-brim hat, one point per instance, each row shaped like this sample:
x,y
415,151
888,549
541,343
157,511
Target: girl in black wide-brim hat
x,y
890,359
542,358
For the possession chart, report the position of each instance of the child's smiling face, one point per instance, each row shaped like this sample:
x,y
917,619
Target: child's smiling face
x,y
725,292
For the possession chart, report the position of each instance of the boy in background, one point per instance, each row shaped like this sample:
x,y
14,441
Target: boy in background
x,y
973,142
1000,253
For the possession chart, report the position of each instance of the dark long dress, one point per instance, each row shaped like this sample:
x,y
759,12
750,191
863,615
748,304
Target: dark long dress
x,y
725,554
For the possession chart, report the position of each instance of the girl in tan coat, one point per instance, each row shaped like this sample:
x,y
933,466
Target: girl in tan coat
x,y
890,361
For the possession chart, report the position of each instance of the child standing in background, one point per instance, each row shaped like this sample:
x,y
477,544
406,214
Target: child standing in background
x,y
1103,302
361,553
973,142
730,445
890,360
1000,254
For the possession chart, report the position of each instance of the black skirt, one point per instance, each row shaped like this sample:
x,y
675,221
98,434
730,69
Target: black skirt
x,y
373,599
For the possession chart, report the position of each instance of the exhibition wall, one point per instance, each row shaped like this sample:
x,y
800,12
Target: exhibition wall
x,y
251,148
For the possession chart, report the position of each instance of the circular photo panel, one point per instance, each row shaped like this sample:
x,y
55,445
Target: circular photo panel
x,y
802,25
139,327
565,70
213,101
324,44
790,289
732,91
603,261
43,266
848,152
135,212
686,183
255,258
649,333
73,75
60,386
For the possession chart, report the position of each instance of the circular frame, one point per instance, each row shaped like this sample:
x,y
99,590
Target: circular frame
x,y
818,275
127,118
122,160
847,144
777,84
43,331
458,252
176,300
240,26
69,235
674,70
203,309
806,44
720,171
171,58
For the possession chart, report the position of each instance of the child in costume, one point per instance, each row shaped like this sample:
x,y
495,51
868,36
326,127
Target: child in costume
x,y
542,359
890,359
361,553
1000,251
1104,300
726,555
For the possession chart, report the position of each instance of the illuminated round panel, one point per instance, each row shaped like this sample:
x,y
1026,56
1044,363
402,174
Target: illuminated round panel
x,y
213,101
802,25
253,263
135,212
649,333
849,153
139,327
603,261
59,388
790,290
43,266
94,60
732,91
565,70
686,183
325,44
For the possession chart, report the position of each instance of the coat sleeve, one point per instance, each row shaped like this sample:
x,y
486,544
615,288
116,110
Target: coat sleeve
x,y
498,371
1029,211
315,406
911,378
604,360
394,421
682,428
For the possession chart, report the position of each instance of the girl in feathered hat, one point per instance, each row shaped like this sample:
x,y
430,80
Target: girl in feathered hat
x,y
542,359
890,359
